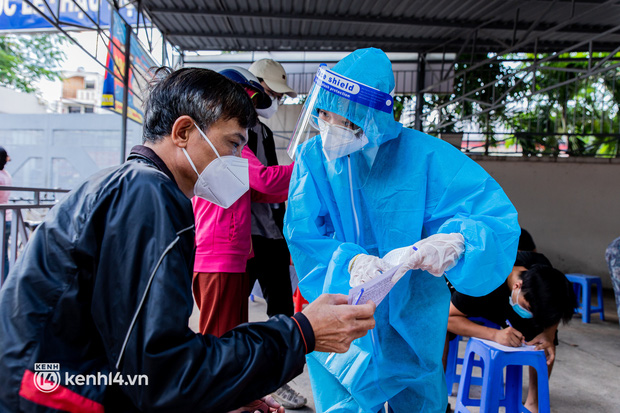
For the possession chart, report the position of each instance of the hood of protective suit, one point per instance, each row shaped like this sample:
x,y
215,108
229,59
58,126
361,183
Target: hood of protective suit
x,y
373,68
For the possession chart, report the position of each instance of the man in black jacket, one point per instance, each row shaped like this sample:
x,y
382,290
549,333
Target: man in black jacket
x,y
94,315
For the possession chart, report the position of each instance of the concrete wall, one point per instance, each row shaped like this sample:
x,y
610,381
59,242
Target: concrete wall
x,y
13,101
60,151
571,207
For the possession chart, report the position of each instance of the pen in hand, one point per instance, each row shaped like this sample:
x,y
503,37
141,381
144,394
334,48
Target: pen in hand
x,y
522,339
359,296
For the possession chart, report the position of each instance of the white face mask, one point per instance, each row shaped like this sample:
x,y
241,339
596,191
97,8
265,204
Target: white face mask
x,y
339,141
270,111
224,180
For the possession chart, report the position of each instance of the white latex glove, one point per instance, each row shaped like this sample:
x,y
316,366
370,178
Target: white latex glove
x,y
435,254
364,268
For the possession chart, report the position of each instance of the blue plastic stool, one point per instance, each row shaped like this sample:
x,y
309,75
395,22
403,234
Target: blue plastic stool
x,y
494,393
453,360
582,285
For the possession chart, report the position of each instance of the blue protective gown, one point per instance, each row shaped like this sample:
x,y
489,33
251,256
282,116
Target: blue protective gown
x,y
417,186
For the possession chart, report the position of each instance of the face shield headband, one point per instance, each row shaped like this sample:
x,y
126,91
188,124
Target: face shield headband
x,y
358,103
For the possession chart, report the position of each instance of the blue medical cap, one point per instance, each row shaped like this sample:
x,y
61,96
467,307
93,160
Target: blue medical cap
x,y
373,68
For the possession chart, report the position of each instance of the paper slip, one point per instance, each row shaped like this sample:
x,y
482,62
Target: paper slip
x,y
375,289
498,346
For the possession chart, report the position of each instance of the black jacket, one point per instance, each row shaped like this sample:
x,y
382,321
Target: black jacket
x,y
103,288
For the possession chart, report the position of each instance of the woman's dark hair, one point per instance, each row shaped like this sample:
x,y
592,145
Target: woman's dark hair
x,y
550,295
526,242
202,94
528,259
3,157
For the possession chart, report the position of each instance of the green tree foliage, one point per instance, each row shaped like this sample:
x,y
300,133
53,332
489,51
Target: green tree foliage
x,y
399,105
480,103
568,106
25,59
447,114
474,85
550,106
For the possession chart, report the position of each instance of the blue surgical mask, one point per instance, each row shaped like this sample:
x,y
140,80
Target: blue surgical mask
x,y
521,312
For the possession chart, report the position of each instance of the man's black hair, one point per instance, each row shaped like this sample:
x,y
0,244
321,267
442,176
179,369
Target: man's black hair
x,y
202,94
550,295
3,157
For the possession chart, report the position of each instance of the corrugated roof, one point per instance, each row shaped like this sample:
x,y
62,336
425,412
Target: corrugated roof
x,y
457,26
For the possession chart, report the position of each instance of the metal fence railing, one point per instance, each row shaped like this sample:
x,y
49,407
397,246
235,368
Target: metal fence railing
x,y
26,214
599,145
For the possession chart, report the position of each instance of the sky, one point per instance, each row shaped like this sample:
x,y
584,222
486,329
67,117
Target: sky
x,y
76,58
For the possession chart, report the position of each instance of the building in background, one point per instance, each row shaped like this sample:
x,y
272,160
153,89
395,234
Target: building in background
x,y
81,92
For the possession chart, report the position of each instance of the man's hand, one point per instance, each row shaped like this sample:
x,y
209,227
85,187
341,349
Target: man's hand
x,y
337,324
510,337
264,405
544,341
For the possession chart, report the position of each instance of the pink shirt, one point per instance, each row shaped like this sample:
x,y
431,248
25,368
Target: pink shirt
x,y
223,236
6,180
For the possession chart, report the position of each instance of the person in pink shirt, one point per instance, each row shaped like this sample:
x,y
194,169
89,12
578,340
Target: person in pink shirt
x,y
5,180
223,235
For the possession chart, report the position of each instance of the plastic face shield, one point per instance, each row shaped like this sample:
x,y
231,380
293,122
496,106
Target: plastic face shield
x,y
342,111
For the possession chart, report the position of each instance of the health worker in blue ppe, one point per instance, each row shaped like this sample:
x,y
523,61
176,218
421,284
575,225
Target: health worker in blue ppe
x,y
364,192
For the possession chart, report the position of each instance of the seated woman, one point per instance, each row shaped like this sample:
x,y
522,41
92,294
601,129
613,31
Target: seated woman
x,y
529,306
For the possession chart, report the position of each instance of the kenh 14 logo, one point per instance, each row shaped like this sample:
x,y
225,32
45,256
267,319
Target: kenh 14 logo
x,y
46,376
